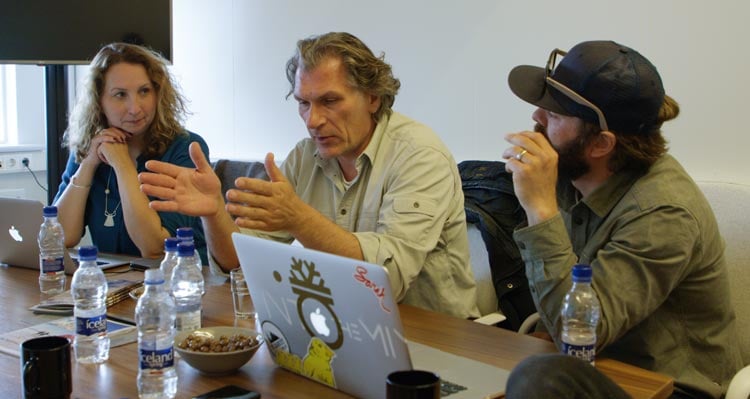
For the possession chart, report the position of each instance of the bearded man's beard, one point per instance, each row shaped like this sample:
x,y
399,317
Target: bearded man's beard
x,y
571,163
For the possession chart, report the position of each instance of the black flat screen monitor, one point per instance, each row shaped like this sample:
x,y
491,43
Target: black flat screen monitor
x,y
73,31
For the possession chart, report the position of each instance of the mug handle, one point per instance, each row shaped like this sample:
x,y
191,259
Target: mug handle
x,y
30,378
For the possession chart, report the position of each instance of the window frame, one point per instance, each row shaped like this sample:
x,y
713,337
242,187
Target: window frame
x,y
8,105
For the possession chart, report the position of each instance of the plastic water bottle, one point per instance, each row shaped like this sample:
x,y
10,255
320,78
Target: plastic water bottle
x,y
580,315
187,288
51,253
169,261
89,289
186,234
155,317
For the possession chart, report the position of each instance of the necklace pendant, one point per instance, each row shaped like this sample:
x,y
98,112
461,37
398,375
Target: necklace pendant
x,y
109,221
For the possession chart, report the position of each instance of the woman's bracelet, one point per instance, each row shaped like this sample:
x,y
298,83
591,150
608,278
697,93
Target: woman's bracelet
x,y
73,183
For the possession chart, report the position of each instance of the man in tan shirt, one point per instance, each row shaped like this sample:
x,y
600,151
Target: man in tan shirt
x,y
368,183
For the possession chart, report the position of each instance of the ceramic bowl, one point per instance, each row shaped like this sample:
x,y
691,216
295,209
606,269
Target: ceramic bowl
x,y
216,363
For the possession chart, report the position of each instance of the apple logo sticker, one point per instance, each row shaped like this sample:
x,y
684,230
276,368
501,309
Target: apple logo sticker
x,y
15,233
319,323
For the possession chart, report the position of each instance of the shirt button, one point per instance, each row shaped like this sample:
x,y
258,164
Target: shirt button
x,y
416,204
343,211
521,245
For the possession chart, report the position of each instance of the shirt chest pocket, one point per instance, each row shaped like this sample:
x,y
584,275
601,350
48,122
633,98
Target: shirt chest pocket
x,y
414,218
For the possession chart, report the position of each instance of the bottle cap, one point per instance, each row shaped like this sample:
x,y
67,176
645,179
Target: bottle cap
x,y
582,273
153,277
49,211
87,253
170,244
185,233
185,248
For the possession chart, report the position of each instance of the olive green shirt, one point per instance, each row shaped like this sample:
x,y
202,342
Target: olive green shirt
x,y
406,208
658,271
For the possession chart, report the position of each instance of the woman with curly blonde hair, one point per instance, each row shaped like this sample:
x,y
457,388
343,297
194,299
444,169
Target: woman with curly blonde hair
x,y
129,111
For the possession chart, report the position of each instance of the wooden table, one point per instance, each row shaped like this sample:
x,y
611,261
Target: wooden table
x,y
117,377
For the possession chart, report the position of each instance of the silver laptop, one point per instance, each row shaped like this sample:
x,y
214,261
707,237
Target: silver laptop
x,y
333,320
19,227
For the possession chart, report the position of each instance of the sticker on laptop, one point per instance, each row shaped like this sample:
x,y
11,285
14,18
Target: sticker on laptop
x,y
361,276
315,365
314,303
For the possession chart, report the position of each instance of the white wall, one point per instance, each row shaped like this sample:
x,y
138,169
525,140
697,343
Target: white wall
x,y
453,58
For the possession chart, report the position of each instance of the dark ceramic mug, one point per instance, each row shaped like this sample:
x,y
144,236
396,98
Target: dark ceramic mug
x,y
412,384
45,368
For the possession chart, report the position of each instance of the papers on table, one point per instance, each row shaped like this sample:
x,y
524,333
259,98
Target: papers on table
x,y
119,333
62,304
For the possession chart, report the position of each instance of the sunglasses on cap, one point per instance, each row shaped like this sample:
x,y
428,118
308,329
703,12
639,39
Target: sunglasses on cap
x,y
568,92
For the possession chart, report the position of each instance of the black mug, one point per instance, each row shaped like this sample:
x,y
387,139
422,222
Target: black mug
x,y
45,368
412,384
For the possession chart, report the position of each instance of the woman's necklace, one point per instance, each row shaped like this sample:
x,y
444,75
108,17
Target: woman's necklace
x,y
109,220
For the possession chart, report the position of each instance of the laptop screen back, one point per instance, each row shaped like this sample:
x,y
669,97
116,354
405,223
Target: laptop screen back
x,y
19,228
328,318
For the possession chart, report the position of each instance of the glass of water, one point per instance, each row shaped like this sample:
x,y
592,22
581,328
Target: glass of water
x,y
243,305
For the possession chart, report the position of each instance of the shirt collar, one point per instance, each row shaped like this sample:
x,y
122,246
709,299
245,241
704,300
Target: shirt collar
x,y
606,196
603,198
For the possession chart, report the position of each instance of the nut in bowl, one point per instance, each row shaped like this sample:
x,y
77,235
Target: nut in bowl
x,y
218,350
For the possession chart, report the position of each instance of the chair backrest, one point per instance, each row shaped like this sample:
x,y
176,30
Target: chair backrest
x,y
229,170
729,202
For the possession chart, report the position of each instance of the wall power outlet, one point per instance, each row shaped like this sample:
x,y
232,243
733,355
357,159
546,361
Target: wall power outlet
x,y
14,162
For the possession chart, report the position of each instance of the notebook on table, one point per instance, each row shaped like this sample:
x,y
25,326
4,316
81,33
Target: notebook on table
x,y
19,228
333,319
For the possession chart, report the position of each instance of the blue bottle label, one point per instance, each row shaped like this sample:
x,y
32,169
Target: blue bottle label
x,y
583,352
157,359
91,325
52,265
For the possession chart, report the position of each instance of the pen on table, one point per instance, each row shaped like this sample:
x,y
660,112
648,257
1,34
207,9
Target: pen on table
x,y
54,311
121,320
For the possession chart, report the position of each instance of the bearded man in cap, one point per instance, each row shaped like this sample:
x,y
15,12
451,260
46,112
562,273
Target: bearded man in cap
x,y
599,188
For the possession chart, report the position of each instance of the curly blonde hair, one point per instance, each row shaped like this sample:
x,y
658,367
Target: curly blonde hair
x,y
366,72
87,116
